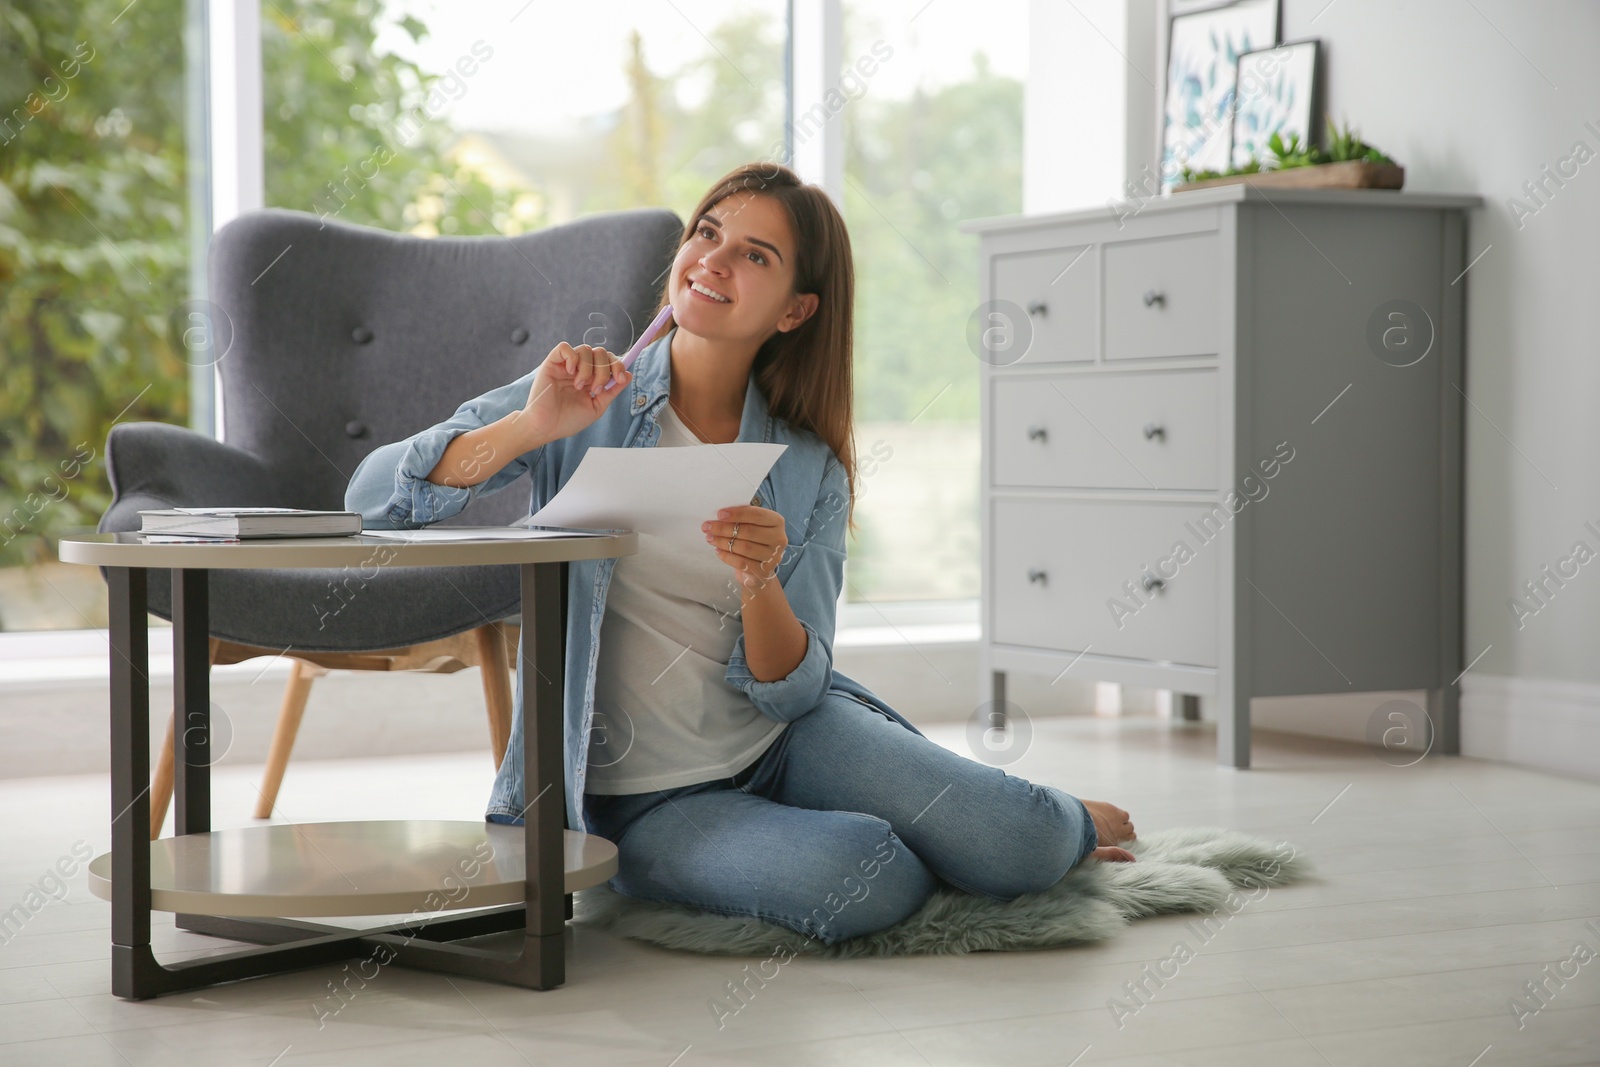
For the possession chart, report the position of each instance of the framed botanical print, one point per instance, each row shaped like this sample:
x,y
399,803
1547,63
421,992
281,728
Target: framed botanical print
x,y
1204,43
1277,90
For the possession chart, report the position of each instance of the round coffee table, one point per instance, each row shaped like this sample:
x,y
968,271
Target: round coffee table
x,y
245,884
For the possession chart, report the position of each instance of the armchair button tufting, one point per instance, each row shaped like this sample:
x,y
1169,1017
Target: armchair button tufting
x,y
519,336
361,335
355,429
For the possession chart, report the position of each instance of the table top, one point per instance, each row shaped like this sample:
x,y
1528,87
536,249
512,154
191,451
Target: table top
x,y
357,550
352,868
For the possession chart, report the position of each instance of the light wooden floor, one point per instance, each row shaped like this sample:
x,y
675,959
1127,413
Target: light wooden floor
x,y
1447,886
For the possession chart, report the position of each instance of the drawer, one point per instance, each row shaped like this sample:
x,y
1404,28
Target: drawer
x,y
1163,296
1058,565
1056,288
1105,431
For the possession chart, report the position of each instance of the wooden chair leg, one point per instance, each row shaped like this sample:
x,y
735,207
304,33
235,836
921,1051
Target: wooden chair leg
x,y
496,670
161,781
161,778
295,694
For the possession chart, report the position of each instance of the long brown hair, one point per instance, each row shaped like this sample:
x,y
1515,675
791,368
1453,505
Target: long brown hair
x,y
807,373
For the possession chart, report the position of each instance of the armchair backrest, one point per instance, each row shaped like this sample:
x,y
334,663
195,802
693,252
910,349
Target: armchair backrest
x,y
344,337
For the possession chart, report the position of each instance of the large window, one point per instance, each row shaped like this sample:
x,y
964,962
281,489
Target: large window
x,y
441,118
96,239
932,136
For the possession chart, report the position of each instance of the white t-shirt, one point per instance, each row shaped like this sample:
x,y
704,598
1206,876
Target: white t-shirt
x,y
664,715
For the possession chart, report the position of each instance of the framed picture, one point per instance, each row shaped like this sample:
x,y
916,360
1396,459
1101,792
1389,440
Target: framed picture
x,y
1204,44
1276,90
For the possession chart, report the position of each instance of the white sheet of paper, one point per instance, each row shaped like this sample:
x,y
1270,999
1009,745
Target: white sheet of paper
x,y
185,539
471,533
660,491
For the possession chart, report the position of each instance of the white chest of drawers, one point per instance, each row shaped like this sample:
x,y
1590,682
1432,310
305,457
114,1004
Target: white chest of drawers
x,y
1222,447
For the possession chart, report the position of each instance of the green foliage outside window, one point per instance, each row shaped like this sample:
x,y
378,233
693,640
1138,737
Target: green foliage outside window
x,y
93,256
94,219
361,136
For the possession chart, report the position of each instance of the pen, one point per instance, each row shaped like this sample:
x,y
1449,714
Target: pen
x,y
644,339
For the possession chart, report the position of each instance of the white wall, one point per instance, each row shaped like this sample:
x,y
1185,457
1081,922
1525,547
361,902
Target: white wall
x,y
1087,111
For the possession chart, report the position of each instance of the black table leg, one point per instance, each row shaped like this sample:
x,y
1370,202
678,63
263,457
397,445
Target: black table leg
x,y
130,779
191,709
191,703
543,669
567,910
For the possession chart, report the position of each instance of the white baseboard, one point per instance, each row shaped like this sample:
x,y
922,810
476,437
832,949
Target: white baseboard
x,y
1538,723
1534,722
1336,716
1530,722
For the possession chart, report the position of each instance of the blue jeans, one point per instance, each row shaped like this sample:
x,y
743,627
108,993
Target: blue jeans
x,y
846,824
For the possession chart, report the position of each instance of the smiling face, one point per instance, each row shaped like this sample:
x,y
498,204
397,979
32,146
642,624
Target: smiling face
x,y
743,251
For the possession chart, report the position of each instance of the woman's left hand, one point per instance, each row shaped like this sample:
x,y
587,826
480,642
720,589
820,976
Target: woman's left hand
x,y
757,545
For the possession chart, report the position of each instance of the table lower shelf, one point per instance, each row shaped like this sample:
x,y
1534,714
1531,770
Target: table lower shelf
x,y
351,868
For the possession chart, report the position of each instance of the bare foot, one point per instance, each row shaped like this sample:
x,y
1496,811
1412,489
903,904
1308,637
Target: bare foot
x,y
1112,853
1111,823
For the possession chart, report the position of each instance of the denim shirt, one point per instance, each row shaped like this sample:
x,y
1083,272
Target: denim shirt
x,y
807,486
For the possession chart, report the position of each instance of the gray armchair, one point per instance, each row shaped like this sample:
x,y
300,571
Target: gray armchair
x,y
332,339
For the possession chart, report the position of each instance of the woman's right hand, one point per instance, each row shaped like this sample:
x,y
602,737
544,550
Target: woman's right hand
x,y
569,391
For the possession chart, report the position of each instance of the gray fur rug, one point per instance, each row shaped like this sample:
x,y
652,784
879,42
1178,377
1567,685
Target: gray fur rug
x,y
1196,869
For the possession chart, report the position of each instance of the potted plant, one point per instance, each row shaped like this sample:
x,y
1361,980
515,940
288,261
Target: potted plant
x,y
1347,163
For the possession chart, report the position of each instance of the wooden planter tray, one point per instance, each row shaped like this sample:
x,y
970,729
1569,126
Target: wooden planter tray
x,y
1348,174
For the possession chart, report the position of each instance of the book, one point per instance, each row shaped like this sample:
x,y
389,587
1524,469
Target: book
x,y
249,522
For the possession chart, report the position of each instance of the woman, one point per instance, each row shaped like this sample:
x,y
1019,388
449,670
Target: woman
x,y
735,770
